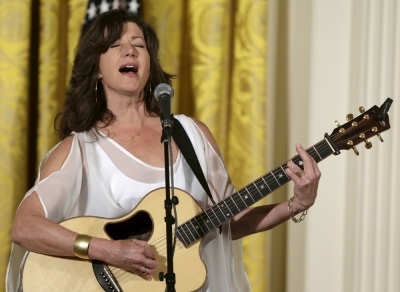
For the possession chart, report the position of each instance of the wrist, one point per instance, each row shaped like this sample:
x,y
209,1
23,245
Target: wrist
x,y
294,209
98,249
81,246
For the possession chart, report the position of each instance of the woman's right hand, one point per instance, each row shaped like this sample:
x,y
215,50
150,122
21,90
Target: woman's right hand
x,y
34,232
133,255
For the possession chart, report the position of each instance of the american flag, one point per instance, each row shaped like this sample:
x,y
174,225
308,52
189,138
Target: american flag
x,y
97,7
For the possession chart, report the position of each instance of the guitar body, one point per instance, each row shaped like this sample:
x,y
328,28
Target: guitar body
x,y
50,273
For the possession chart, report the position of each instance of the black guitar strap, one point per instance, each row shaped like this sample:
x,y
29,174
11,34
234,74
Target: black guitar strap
x,y
185,145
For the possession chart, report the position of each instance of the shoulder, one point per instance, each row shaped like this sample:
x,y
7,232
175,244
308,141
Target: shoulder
x,y
57,157
207,133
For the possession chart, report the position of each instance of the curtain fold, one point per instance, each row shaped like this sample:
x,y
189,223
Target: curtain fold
x,y
246,143
52,60
37,41
216,48
15,17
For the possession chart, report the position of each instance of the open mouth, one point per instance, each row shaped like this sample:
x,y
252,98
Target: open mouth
x,y
128,69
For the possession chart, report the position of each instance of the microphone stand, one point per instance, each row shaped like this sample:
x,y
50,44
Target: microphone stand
x,y
169,219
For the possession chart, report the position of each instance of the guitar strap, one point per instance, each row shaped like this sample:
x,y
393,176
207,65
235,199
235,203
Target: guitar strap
x,y
185,145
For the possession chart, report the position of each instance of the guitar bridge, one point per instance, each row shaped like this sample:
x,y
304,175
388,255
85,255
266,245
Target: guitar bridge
x,y
105,277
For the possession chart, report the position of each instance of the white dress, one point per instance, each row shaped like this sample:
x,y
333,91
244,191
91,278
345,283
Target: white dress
x,y
102,179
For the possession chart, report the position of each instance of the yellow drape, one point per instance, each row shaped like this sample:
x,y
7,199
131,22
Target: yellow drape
x,y
29,100
51,72
218,50
216,47
14,104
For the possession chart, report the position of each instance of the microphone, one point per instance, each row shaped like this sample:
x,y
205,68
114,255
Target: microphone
x,y
163,94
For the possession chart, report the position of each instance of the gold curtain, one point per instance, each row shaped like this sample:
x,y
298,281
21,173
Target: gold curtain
x,y
14,106
37,38
218,50
216,47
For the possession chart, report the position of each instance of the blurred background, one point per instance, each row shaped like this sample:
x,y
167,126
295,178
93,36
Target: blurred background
x,y
263,75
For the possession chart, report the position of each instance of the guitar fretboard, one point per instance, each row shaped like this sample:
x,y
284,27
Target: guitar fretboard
x,y
197,227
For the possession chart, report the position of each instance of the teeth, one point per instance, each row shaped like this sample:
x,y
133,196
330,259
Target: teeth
x,y
129,68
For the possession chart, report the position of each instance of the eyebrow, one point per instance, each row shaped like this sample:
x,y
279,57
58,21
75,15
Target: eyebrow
x,y
136,37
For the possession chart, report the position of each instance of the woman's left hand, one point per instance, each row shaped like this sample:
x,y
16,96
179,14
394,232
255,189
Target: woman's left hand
x,y
305,182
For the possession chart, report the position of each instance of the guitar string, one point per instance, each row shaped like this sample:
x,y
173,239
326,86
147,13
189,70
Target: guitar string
x,y
251,189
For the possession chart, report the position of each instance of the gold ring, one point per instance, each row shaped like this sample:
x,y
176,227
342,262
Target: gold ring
x,y
144,272
300,173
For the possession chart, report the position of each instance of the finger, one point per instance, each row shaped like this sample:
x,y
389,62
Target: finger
x,y
309,163
144,273
150,264
147,251
291,170
311,168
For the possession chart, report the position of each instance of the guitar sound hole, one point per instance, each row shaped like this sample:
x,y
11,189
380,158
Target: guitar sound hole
x,y
139,226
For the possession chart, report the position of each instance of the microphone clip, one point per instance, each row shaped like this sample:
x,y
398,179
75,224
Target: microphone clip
x,y
167,127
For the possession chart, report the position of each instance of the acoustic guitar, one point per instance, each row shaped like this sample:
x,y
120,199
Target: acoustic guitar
x,y
146,222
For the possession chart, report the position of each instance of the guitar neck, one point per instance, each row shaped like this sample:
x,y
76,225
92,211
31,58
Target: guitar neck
x,y
213,217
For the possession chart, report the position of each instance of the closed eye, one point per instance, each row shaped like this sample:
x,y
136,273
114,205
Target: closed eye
x,y
115,45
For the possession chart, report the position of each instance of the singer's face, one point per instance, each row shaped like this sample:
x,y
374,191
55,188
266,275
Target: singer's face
x,y
125,67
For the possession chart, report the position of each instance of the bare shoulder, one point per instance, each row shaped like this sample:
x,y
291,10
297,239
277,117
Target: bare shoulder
x,y
57,157
206,131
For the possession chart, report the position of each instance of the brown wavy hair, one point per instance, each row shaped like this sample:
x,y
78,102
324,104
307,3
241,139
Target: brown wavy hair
x,y
85,105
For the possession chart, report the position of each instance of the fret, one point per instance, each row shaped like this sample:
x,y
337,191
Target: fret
x,y
251,192
247,197
233,206
214,216
242,201
271,182
202,223
199,227
195,230
225,208
317,153
220,212
182,236
280,176
262,184
237,199
283,169
325,150
189,235
207,221
275,178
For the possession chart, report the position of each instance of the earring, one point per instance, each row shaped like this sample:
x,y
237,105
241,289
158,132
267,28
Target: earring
x,y
95,90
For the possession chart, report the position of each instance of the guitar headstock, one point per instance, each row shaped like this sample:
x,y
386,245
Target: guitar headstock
x,y
359,129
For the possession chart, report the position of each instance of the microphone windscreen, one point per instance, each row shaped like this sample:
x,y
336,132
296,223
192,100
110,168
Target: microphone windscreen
x,y
163,88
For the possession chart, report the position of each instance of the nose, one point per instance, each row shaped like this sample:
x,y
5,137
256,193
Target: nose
x,y
130,51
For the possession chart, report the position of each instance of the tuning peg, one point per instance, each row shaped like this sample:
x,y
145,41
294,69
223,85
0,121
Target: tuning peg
x,y
380,137
349,117
361,109
368,144
337,123
350,142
